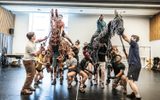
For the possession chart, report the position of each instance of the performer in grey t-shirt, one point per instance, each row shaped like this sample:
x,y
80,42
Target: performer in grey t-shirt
x,y
73,70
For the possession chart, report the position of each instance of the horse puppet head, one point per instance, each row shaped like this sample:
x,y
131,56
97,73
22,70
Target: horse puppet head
x,y
115,26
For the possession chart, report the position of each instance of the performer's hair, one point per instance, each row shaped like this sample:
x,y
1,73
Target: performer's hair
x,y
71,52
78,41
136,37
118,58
101,15
30,35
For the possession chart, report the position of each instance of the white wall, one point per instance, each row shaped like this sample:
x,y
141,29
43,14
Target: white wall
x,y
21,28
155,48
81,27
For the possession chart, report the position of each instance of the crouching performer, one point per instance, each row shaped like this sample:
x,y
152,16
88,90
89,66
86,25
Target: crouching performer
x,y
87,67
40,65
42,61
87,64
71,63
118,68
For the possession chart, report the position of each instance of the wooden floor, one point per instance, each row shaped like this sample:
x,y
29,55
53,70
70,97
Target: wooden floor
x,y
12,79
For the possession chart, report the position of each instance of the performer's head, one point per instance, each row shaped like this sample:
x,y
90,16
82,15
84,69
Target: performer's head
x,y
44,52
71,54
135,38
77,42
114,48
42,48
31,36
101,17
118,58
114,51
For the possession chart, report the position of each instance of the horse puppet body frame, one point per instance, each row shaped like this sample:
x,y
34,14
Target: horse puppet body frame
x,y
115,26
56,39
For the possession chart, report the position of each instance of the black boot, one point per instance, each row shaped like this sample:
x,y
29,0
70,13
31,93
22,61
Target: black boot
x,y
54,82
132,95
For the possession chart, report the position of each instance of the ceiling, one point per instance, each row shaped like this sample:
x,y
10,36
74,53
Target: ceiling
x,y
83,8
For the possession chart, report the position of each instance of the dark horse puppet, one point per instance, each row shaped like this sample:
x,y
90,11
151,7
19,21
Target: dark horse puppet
x,y
115,26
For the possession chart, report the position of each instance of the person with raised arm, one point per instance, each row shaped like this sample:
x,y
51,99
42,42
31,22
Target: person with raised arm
x,y
29,62
134,65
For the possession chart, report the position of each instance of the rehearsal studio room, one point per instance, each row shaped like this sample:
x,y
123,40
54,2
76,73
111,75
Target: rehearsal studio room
x,y
79,49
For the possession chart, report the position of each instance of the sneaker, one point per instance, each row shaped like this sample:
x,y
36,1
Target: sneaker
x,y
54,82
39,82
96,82
138,98
32,89
132,95
84,86
102,85
124,92
35,85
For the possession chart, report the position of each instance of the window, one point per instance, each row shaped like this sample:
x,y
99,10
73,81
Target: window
x,y
40,24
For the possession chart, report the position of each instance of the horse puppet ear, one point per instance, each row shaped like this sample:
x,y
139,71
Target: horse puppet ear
x,y
118,14
115,13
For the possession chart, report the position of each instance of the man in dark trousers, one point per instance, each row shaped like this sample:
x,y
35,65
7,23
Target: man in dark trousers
x,y
102,63
134,65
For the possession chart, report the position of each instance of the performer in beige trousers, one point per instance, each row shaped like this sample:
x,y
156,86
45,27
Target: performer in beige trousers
x,y
29,62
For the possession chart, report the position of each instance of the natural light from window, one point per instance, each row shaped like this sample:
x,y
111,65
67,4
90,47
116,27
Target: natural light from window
x,y
40,24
